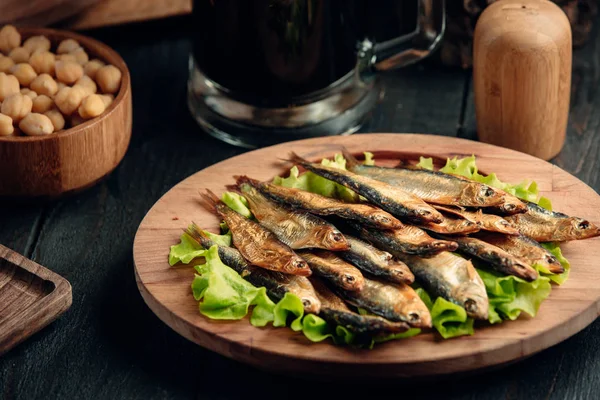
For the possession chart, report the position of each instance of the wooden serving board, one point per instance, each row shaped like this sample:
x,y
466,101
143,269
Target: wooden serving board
x,y
167,291
31,297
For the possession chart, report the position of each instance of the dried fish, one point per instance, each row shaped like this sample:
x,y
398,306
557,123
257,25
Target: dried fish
x,y
487,222
390,198
329,266
452,278
297,229
257,245
377,262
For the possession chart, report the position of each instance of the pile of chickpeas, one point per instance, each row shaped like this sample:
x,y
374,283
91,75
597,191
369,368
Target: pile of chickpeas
x,y
42,92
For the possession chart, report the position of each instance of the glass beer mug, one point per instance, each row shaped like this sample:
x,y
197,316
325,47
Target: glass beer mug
x,y
268,71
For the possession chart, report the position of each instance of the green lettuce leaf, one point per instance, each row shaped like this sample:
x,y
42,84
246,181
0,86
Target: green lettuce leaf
x,y
449,319
185,251
223,294
509,295
238,203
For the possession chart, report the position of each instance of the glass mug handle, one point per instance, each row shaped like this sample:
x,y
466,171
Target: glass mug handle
x,y
407,49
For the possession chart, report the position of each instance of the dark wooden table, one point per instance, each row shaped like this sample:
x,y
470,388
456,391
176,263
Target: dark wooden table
x,y
110,345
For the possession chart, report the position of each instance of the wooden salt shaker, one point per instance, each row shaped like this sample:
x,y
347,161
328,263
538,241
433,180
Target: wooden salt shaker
x,y
522,76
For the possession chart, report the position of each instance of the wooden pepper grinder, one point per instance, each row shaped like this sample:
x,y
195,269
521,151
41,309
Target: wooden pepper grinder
x,y
522,76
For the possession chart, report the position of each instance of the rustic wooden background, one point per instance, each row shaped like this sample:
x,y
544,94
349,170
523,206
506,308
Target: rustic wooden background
x,y
110,345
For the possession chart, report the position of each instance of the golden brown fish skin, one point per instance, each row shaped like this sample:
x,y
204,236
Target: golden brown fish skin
x,y
487,222
277,284
257,245
363,213
377,262
512,205
329,266
394,200
525,248
498,259
334,310
297,229
542,225
396,302
409,240
452,278
432,186
452,226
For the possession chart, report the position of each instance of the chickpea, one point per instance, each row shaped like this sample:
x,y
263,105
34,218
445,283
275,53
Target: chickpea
x,y
24,73
80,56
91,106
88,84
9,38
37,43
58,120
16,106
35,124
44,84
43,62
109,79
68,71
91,67
9,85
42,103
19,55
29,93
67,46
6,63
6,125
107,99
69,99
66,57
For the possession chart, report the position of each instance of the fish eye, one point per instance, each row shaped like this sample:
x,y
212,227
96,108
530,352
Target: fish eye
x,y
470,305
509,207
350,278
425,212
504,223
300,264
488,192
337,237
551,259
583,225
414,317
306,303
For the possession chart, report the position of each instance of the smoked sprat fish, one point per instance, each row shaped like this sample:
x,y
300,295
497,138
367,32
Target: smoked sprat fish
x,y
452,226
257,245
452,278
366,214
497,258
525,248
297,229
487,222
376,262
334,310
409,240
550,226
395,302
392,199
277,284
432,186
332,268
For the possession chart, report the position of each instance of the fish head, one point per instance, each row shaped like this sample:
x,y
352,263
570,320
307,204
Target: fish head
x,y
352,281
297,266
513,205
442,245
311,304
416,313
426,213
579,228
474,300
383,219
503,226
482,194
333,239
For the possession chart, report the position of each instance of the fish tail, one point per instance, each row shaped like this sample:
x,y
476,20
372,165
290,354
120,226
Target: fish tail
x,y
295,158
351,161
198,235
241,179
210,201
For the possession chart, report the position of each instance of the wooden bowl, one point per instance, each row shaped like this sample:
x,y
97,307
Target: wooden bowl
x,y
76,158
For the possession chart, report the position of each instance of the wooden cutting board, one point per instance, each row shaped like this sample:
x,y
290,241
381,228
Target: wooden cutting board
x,y
167,292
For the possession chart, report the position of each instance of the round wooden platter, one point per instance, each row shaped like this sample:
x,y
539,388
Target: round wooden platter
x,y
167,292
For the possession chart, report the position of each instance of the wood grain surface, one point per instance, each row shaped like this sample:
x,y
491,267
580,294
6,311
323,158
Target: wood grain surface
x,y
31,297
73,159
167,290
522,55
